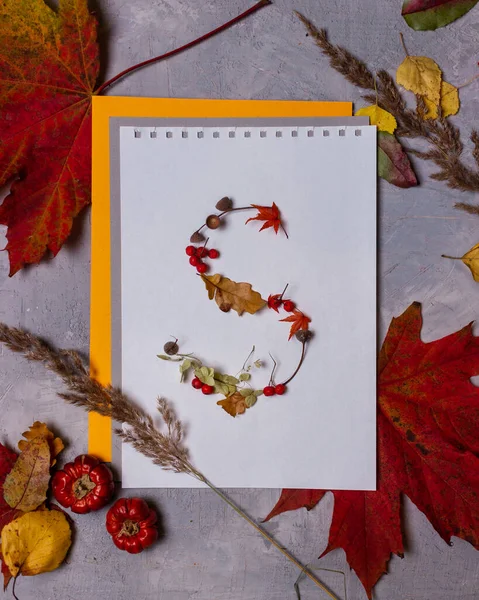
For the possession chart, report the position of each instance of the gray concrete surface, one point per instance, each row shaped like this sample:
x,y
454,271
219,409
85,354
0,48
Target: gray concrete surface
x,y
207,552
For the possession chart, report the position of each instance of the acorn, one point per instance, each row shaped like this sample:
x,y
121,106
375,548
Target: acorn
x,y
213,222
304,335
171,348
224,204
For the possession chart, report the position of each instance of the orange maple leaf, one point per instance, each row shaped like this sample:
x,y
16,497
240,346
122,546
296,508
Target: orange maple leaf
x,y
270,215
299,321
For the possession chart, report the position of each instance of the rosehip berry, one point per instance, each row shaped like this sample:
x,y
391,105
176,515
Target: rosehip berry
x,y
213,253
202,268
207,389
280,389
197,384
194,261
202,252
190,250
289,306
269,390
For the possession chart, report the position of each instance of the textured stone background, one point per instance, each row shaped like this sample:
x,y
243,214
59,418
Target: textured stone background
x,y
207,552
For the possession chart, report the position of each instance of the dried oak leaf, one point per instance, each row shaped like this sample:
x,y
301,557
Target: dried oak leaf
x,y
270,215
470,259
420,75
383,119
36,542
393,162
48,69
37,430
234,404
424,15
449,102
228,294
428,449
7,460
26,485
299,321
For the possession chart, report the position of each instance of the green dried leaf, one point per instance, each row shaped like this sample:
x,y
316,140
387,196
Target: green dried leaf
x,y
226,378
244,377
163,357
246,392
205,375
250,400
258,393
184,367
221,388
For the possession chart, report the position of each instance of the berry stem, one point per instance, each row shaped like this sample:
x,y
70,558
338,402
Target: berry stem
x,y
247,359
271,379
187,46
284,291
303,354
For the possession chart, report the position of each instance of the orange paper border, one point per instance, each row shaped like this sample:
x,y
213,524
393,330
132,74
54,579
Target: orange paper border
x,y
104,107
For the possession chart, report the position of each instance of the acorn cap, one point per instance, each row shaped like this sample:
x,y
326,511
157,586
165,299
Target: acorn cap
x,y
197,238
224,204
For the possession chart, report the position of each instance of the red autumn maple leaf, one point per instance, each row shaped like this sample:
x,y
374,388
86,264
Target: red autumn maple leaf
x,y
274,301
299,321
428,449
5,572
7,460
48,69
270,215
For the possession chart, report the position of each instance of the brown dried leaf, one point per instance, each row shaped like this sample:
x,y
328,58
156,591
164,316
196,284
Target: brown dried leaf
x,y
234,404
26,485
228,294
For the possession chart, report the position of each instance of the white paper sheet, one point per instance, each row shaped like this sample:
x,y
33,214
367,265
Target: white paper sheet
x,y
322,432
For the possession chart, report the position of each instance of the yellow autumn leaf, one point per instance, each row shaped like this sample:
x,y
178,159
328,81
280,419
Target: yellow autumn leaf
x,y
39,429
26,485
470,259
420,75
36,543
383,119
449,102
231,295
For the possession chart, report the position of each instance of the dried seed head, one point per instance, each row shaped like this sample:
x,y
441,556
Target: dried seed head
x,y
304,335
171,348
197,238
224,204
213,222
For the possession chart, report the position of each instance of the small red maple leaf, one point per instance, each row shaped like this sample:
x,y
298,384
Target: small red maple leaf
x,y
299,321
271,217
275,301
